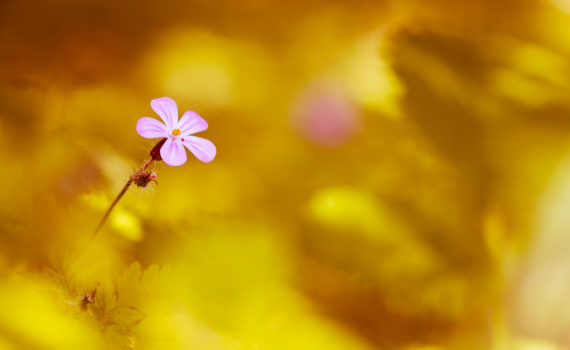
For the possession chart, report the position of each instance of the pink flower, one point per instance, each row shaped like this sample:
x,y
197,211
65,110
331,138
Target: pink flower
x,y
177,132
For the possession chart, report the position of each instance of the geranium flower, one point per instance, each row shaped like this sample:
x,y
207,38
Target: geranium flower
x,y
177,133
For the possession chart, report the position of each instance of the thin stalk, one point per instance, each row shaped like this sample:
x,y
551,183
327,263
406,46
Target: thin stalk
x,y
119,196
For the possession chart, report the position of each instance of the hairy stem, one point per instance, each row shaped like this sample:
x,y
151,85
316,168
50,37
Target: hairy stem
x,y
119,196
154,156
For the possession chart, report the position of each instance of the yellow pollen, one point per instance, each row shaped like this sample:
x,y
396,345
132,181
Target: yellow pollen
x,y
176,132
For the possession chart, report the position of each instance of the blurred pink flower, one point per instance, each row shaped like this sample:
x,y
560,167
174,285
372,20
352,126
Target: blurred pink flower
x,y
325,115
177,132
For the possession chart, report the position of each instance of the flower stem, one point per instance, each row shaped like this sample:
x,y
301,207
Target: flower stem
x,y
108,212
154,156
119,196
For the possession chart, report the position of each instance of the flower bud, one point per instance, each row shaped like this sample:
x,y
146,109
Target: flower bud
x,y
87,299
155,152
143,178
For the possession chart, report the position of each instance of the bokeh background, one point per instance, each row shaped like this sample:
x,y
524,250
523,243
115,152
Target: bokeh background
x,y
390,175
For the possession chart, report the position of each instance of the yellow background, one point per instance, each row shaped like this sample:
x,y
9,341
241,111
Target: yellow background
x,y
390,175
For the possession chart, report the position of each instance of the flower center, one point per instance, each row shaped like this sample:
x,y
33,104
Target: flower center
x,y
176,132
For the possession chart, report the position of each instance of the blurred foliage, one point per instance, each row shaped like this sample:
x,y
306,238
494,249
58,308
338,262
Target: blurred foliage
x,y
390,175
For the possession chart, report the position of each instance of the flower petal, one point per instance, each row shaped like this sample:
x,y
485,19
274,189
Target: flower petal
x,y
191,123
203,149
166,108
151,128
173,153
